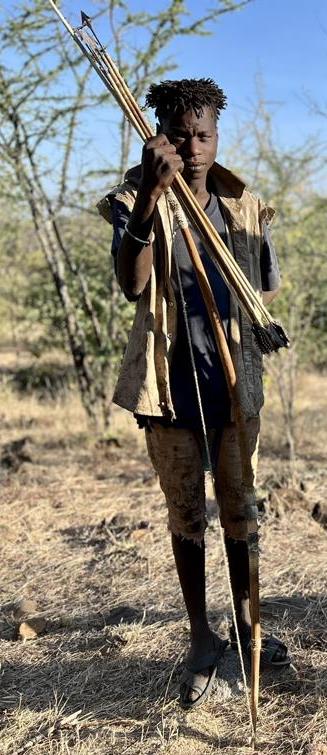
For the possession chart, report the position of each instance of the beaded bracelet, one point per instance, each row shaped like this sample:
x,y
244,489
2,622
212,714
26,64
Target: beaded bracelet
x,y
141,241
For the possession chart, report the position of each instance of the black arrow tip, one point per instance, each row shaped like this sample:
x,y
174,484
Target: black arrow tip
x,y
85,18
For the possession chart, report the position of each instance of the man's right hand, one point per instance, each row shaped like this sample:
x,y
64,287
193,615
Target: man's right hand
x,y
160,163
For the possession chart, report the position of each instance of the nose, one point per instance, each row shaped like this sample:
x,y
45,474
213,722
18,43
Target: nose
x,y
193,146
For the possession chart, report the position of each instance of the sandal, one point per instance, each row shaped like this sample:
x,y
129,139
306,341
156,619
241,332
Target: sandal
x,y
273,651
192,679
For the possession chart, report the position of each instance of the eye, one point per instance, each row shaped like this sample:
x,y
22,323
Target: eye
x,y
177,138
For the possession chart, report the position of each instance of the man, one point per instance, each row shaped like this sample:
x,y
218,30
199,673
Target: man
x,y
156,381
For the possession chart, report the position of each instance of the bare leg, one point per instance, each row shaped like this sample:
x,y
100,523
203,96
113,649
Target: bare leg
x,y
190,564
239,572
238,559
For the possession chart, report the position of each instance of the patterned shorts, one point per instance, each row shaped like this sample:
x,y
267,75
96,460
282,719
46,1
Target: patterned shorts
x,y
177,455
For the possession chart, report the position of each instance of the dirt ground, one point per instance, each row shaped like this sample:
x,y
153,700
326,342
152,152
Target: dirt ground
x,y
83,536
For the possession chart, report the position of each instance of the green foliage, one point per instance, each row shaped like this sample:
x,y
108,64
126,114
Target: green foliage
x,y
287,180
47,380
302,247
59,287
32,315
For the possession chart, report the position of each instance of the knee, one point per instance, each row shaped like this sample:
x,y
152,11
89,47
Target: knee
x,y
187,524
235,529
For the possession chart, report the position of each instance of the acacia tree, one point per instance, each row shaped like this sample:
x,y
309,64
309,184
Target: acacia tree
x,y
44,94
287,180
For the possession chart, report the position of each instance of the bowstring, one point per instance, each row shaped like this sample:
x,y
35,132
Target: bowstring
x,y
199,400
209,462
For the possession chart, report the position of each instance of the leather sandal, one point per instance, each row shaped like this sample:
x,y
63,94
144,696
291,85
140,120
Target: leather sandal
x,y
271,648
192,679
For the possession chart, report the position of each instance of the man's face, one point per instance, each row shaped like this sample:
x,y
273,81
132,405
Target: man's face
x,y
196,141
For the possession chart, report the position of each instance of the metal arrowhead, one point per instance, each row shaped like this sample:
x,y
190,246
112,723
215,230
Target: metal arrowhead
x,y
85,19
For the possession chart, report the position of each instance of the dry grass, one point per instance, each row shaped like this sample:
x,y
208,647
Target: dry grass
x,y
83,533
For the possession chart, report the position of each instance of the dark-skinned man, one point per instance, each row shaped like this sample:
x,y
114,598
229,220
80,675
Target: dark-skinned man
x,y
156,380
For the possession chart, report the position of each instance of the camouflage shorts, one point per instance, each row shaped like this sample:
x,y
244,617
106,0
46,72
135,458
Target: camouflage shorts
x,y
177,455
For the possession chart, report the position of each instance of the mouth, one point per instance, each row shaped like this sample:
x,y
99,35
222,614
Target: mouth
x,y
194,167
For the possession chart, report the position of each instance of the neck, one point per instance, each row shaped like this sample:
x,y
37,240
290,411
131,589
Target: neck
x,y
200,191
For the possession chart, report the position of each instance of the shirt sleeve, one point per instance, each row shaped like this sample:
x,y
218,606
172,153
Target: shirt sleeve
x,y
120,216
270,276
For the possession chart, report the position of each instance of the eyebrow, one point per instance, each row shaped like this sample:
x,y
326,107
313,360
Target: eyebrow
x,y
179,130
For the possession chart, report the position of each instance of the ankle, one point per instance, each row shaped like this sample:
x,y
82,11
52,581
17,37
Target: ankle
x,y
200,630
242,607
243,626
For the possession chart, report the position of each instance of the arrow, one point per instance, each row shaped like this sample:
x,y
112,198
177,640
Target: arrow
x,y
86,20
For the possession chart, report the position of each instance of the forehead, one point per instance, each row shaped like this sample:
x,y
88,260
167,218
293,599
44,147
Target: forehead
x,y
190,121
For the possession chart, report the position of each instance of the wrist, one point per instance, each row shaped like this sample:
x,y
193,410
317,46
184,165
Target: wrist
x,y
148,194
143,211
143,242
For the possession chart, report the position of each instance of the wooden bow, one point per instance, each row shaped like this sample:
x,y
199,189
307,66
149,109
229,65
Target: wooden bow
x,y
248,492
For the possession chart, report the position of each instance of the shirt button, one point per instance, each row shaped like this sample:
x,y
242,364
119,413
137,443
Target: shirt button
x,y
170,304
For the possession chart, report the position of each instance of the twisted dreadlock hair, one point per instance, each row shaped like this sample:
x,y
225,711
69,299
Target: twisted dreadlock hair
x,y
177,97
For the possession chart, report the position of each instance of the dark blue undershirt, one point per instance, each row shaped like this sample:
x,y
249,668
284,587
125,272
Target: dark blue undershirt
x,y
212,384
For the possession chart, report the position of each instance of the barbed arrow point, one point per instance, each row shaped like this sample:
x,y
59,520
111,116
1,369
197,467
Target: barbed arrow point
x,y
86,19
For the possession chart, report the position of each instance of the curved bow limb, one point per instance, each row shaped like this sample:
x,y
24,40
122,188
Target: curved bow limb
x,y
247,472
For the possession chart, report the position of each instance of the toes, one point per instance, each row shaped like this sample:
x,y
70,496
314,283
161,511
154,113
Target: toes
x,y
192,695
275,650
279,655
189,693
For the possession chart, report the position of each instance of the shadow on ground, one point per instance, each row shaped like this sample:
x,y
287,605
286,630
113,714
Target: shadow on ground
x,y
95,641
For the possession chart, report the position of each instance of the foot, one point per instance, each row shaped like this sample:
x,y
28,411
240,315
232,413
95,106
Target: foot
x,y
200,671
273,651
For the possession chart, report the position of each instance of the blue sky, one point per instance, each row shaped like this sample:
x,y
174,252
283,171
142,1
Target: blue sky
x,y
283,43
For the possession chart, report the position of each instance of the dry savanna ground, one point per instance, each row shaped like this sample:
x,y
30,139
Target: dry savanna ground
x,y
85,551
